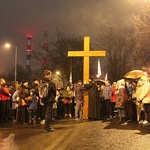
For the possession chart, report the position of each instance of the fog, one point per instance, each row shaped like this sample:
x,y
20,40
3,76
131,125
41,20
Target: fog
x,y
72,17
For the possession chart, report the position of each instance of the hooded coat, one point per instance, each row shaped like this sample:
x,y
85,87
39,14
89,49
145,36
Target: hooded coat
x,y
120,97
24,93
145,93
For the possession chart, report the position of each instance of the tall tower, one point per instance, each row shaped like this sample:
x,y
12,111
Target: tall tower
x,y
45,48
45,45
28,58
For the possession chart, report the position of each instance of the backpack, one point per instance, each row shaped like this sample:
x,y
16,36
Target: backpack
x,y
43,89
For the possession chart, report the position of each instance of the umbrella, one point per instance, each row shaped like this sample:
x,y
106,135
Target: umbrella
x,y
135,74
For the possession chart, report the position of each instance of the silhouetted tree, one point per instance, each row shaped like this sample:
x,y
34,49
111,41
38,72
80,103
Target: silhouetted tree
x,y
55,56
119,45
141,24
20,74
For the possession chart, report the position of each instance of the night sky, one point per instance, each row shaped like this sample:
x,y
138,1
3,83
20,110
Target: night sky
x,y
72,17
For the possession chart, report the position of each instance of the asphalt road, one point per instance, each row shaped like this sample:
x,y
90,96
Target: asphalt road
x,y
70,134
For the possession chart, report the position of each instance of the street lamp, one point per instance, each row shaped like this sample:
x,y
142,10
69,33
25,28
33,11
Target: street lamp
x,y
58,73
60,78
16,54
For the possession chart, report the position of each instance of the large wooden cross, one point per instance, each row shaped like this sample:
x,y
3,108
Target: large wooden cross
x,y
86,54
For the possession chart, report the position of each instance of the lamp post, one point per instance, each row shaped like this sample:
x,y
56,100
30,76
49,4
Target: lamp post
x,y
16,55
59,76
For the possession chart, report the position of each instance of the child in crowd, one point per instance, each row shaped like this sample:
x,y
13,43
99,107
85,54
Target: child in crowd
x,y
33,107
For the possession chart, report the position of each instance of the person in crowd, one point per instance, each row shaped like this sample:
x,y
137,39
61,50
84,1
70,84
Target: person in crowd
x,y
55,106
5,105
15,99
120,100
42,113
67,99
48,101
107,94
93,103
12,87
35,86
73,101
101,101
139,104
129,102
79,90
130,105
144,97
129,88
113,98
24,98
40,109
60,105
134,87
32,108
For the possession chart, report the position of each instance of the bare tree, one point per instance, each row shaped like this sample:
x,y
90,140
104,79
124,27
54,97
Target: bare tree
x,y
20,74
141,24
119,46
55,55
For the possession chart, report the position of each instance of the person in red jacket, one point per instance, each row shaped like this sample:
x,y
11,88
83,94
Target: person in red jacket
x,y
113,98
4,101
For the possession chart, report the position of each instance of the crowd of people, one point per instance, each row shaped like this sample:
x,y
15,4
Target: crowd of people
x,y
125,100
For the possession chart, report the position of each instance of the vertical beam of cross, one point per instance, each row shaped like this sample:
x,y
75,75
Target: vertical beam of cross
x,y
86,54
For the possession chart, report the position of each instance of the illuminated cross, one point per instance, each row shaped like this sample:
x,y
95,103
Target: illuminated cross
x,y
86,54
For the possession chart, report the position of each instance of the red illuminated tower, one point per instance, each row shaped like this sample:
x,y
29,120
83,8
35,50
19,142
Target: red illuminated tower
x,y
45,45
45,49
28,57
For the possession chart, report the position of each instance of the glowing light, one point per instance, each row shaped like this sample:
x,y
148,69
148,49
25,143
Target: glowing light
x,y
29,35
7,45
57,72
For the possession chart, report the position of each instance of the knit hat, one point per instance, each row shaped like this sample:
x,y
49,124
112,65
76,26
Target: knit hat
x,y
47,72
23,82
121,82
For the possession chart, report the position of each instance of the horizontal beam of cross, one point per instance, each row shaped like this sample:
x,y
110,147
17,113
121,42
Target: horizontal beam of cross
x,y
86,54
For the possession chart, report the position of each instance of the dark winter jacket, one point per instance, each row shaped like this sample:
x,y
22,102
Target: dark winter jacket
x,y
51,91
79,89
24,93
35,87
